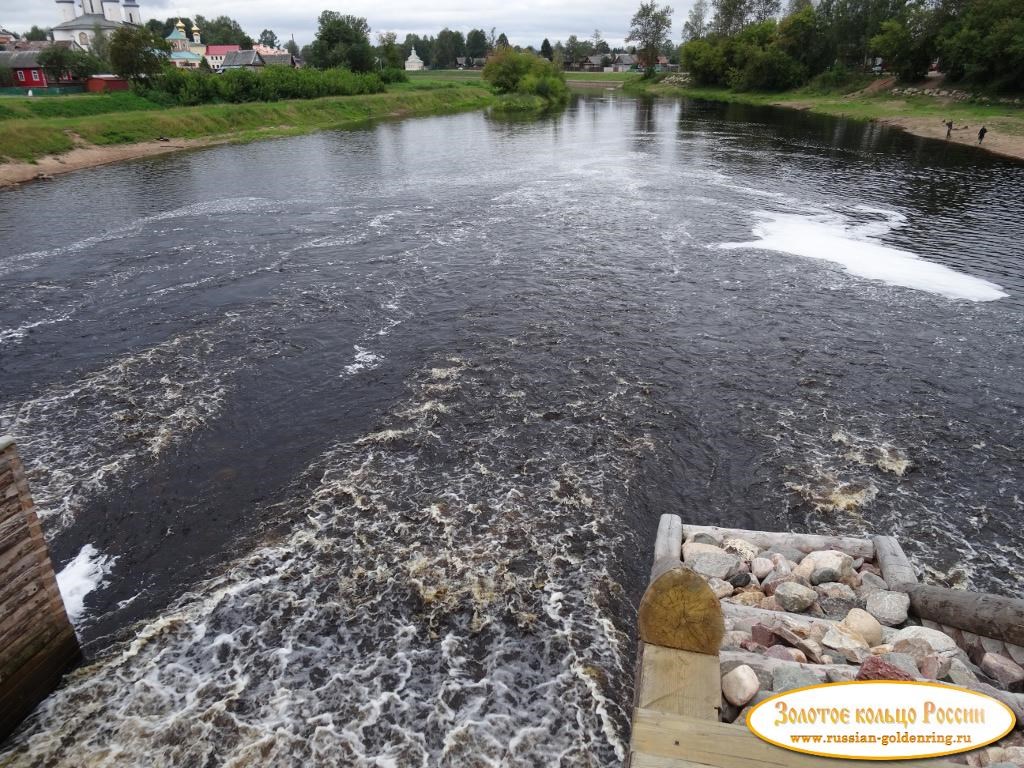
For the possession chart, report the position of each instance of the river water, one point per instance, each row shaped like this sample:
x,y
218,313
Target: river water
x,y
351,447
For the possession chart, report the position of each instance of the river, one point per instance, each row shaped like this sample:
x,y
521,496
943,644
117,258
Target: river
x,y
350,447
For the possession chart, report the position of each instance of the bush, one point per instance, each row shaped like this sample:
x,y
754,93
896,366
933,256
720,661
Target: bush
x,y
393,75
525,76
705,62
236,86
766,69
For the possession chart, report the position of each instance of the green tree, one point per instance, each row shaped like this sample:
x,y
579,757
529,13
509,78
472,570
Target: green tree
x,y
476,44
502,41
526,75
389,51
268,38
291,46
56,62
100,47
696,26
37,34
342,41
730,16
546,50
906,44
984,44
599,43
136,53
650,27
762,10
223,30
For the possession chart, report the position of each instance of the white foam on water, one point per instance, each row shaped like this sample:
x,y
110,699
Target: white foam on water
x,y
831,237
365,360
83,575
14,335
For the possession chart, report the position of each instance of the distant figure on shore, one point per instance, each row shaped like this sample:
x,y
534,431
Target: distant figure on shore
x,y
981,134
949,128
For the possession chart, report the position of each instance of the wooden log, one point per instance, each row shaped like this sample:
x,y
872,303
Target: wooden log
x,y
680,682
983,614
896,568
663,740
669,543
805,542
679,610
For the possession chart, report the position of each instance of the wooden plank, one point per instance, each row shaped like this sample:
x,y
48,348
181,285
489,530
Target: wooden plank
x,y
640,760
722,745
805,542
669,543
896,568
679,682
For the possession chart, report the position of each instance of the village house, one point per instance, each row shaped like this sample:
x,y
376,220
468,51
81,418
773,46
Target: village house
x,y
243,60
6,37
215,54
21,69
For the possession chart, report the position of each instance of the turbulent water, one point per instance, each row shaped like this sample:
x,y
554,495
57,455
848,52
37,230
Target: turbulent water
x,y
350,447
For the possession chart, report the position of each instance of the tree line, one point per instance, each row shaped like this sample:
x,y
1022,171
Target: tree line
x,y
753,45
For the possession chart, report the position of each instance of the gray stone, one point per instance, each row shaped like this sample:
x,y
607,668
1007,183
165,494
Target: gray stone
x,y
786,678
836,590
794,597
719,565
902,661
913,646
842,674
960,674
834,607
720,587
705,538
938,641
890,608
740,580
790,553
1009,674
831,559
761,567
850,645
869,583
935,666
693,548
825,575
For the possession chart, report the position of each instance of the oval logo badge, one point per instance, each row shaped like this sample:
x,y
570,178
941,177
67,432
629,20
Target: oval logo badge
x,y
881,720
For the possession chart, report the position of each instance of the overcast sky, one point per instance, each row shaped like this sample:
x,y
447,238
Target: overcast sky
x,y
526,22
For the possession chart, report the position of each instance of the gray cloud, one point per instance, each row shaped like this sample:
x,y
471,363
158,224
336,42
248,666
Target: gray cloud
x,y
526,22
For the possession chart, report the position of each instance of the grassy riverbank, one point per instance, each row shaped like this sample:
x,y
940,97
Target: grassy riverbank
x,y
919,115
26,137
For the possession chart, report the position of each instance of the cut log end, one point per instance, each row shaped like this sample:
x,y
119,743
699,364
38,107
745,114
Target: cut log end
x,y
679,610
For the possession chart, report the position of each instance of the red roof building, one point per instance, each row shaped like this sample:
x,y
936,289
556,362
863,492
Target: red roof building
x,y
215,54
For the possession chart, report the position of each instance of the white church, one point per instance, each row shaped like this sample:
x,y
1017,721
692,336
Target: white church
x,y
81,18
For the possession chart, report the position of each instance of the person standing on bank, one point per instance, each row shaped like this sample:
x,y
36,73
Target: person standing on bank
x,y
949,128
981,134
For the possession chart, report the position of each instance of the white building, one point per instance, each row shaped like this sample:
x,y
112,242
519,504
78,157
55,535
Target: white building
x,y
81,18
414,63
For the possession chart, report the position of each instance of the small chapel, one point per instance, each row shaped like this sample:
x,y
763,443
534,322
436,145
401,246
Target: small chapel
x,y
81,18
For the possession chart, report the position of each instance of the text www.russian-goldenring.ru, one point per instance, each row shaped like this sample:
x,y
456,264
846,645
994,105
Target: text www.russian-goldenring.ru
x,y
884,740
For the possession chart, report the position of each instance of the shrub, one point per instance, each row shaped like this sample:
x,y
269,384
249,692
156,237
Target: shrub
x,y
393,75
766,69
525,75
705,62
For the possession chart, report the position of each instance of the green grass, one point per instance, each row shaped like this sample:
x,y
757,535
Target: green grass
x,y
28,139
446,75
880,106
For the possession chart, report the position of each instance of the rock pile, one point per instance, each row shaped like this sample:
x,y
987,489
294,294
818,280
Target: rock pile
x,y
797,618
953,95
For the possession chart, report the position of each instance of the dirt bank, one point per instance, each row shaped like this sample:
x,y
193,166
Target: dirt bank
x,y
91,156
996,141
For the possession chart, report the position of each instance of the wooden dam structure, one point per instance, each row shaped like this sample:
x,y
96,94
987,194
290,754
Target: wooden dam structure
x,y
37,641
678,697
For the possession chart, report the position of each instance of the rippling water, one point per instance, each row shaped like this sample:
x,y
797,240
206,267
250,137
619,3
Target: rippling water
x,y
353,445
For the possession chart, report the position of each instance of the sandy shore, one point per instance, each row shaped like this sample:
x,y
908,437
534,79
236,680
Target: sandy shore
x,y
91,156
997,142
